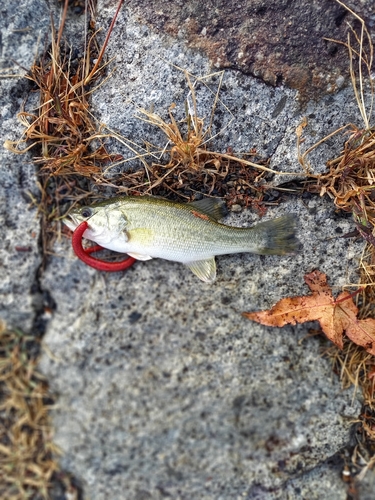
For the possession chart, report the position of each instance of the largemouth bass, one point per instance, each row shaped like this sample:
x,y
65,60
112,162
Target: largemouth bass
x,y
147,227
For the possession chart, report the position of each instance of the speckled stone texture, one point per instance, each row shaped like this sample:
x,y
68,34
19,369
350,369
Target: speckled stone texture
x,y
163,389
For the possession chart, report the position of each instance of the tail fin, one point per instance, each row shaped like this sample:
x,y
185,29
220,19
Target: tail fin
x,y
278,236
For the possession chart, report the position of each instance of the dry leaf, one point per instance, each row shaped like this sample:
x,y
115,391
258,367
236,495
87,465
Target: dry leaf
x,y
335,316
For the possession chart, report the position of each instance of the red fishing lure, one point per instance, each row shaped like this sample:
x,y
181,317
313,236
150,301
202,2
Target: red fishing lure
x,y
84,254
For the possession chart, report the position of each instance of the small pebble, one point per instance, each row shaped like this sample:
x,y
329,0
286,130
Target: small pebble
x,y
236,208
340,80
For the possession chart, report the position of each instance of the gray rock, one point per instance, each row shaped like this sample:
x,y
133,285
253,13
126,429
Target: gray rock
x,y
164,389
19,223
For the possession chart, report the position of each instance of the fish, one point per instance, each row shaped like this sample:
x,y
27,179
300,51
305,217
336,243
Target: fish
x,y
148,227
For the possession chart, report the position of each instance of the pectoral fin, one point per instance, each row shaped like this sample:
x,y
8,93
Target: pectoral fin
x,y
204,269
141,236
138,256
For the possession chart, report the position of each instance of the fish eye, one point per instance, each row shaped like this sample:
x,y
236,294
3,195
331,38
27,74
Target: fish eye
x,y
86,212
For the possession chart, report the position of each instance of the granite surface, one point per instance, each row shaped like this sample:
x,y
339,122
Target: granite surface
x,y
163,389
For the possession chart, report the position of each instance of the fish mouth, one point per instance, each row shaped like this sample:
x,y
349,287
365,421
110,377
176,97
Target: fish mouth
x,y
71,222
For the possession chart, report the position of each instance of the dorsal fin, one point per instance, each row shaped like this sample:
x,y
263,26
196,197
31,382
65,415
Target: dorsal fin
x,y
213,207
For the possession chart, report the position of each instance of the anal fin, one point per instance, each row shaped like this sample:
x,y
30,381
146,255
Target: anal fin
x,y
205,270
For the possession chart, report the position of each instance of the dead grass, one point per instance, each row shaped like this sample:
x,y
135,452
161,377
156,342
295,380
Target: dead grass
x,y
350,178
27,462
186,166
62,129
68,135
350,183
356,368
